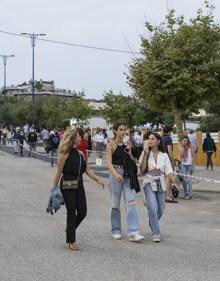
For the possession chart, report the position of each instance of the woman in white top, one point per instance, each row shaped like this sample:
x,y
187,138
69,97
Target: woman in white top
x,y
187,158
155,165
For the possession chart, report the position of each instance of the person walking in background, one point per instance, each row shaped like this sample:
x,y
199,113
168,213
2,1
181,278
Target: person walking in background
x,y
99,142
193,140
106,138
89,138
123,179
70,169
21,139
4,135
83,142
168,145
53,144
45,136
138,138
187,158
209,147
131,137
155,165
32,140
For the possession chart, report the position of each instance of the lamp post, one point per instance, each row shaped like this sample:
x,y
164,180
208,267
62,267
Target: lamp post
x,y
5,57
33,37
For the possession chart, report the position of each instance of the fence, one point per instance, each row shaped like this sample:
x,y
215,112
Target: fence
x,y
97,160
200,156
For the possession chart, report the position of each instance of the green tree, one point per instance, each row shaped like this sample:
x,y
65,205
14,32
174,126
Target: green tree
x,y
7,104
211,120
130,110
180,65
79,109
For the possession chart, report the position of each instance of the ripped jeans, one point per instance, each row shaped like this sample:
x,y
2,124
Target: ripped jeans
x,y
116,190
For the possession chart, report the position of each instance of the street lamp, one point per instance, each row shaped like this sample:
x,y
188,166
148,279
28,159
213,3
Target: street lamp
x,y
33,37
5,57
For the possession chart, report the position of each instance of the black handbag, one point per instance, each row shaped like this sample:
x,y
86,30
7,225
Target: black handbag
x,y
175,191
72,184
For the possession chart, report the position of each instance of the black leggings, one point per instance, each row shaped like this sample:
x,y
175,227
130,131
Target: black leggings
x,y
75,201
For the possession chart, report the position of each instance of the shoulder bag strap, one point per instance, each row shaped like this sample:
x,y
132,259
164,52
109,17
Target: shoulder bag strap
x,y
80,163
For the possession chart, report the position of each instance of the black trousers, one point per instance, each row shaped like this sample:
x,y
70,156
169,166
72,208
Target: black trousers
x,y
209,159
75,201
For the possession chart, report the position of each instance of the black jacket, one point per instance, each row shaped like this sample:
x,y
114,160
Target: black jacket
x,y
209,144
130,170
32,137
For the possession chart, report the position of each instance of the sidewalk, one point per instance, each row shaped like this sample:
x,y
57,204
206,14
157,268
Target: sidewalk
x,y
33,248
205,186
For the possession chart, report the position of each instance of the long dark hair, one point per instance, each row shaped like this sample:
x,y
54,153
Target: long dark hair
x,y
116,125
186,137
158,137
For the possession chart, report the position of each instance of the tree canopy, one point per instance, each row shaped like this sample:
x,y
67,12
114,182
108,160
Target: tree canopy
x,y
131,111
45,112
180,64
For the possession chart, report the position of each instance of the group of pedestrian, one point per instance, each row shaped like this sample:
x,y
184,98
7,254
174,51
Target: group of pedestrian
x,y
155,166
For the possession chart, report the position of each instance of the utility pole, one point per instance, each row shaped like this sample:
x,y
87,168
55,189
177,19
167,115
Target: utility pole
x,y
33,37
5,57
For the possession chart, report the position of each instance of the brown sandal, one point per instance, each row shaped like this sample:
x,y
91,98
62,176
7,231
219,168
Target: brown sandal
x,y
73,247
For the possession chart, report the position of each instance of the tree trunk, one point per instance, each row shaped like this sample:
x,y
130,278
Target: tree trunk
x,y
178,120
184,124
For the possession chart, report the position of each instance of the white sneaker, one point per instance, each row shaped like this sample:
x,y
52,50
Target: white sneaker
x,y
117,236
156,239
136,238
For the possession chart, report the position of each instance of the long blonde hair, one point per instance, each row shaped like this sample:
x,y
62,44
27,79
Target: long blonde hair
x,y
68,140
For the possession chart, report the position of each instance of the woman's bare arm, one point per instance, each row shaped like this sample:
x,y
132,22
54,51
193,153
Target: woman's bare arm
x,y
93,176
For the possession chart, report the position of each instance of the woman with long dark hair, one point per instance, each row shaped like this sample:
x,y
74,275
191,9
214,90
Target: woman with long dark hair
x,y
123,179
187,158
70,169
155,165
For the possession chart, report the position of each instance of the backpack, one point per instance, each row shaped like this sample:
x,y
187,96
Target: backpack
x,y
55,141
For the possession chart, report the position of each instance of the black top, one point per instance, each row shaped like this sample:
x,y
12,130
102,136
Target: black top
x,y
32,137
117,155
72,164
209,144
166,140
54,141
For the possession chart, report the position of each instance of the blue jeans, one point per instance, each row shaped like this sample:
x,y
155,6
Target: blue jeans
x,y
187,181
32,147
53,153
129,195
155,201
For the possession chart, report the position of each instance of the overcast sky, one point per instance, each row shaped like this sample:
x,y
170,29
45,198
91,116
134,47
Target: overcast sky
x,y
115,24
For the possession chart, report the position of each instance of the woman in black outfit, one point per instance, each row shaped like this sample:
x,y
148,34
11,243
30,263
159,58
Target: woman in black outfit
x,y
70,168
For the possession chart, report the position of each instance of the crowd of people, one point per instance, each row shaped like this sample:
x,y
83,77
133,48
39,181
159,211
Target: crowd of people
x,y
156,164
127,150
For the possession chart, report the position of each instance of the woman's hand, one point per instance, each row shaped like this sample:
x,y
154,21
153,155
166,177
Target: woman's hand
x,y
119,178
146,146
101,183
128,148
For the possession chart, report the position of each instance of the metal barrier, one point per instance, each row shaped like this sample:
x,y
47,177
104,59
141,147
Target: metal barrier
x,y
97,160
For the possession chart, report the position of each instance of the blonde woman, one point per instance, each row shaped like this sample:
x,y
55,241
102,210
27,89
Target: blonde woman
x,y
70,168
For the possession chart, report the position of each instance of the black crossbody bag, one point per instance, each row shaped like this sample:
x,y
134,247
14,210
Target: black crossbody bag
x,y
72,184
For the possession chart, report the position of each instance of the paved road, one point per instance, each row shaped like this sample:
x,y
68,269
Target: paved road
x,y
32,243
